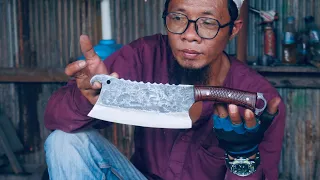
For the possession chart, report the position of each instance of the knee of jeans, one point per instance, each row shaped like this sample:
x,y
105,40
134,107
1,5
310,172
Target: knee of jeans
x,y
59,141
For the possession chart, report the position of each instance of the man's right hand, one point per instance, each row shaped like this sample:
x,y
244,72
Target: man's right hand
x,y
84,70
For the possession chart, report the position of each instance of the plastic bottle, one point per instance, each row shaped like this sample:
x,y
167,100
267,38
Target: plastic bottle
x,y
289,42
314,37
303,45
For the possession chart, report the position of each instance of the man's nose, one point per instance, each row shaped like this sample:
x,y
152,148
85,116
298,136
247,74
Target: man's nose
x,y
190,34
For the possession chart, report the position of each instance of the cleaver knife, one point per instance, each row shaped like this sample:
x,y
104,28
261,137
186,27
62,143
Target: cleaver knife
x,y
161,105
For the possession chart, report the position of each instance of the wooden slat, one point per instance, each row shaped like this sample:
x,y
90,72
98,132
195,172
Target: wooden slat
x,y
9,131
286,69
32,75
9,153
291,76
299,77
312,82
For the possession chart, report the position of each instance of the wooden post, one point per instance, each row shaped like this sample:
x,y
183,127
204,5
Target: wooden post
x,y
29,127
242,40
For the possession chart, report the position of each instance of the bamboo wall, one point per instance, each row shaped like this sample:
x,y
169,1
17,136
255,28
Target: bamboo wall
x,y
43,33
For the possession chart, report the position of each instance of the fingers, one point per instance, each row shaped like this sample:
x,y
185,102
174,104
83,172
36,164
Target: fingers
x,y
221,110
234,114
74,68
84,84
87,48
91,95
249,118
92,91
232,111
273,105
97,85
116,75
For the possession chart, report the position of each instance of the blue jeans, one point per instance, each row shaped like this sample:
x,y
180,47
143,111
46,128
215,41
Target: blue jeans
x,y
86,155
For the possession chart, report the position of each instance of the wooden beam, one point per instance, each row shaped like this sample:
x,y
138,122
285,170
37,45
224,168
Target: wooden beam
x,y
291,76
286,69
9,131
242,40
279,76
33,75
9,153
289,81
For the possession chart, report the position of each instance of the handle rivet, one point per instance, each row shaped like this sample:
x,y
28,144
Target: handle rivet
x,y
247,99
208,93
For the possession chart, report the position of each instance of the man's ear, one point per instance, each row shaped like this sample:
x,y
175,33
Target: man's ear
x,y
236,28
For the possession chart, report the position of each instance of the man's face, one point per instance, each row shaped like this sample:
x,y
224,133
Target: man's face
x,y
190,50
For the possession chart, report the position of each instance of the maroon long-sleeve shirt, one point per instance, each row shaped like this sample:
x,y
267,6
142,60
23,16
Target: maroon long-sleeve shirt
x,y
172,154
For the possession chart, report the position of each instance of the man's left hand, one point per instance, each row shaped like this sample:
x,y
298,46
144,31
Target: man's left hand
x,y
240,136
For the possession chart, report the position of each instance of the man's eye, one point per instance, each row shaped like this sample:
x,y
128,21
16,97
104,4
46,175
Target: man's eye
x,y
177,18
209,23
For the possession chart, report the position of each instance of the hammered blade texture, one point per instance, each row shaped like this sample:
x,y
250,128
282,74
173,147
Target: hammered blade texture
x,y
161,98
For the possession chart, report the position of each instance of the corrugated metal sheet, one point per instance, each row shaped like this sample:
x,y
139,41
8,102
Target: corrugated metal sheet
x,y
301,148
136,18
55,27
8,56
8,33
45,36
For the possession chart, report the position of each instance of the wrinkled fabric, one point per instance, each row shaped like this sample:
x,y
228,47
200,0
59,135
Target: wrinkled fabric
x,y
86,155
171,154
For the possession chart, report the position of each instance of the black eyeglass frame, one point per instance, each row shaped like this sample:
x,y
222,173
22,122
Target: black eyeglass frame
x,y
165,14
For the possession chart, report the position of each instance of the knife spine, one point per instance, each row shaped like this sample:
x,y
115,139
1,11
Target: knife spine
x,y
102,78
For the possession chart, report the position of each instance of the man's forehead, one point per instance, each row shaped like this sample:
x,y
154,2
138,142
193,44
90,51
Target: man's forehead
x,y
215,2
206,7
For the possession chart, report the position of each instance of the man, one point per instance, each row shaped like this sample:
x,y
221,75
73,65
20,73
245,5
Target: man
x,y
223,139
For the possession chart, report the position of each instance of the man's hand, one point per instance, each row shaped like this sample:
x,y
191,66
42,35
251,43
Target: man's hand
x,y
240,136
84,70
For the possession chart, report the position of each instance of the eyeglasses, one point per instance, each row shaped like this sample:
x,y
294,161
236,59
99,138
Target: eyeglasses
x,y
207,28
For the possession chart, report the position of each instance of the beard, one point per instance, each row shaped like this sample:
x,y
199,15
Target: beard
x,y
193,76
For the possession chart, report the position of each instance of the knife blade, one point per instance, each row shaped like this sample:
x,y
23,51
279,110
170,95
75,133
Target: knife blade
x,y
161,105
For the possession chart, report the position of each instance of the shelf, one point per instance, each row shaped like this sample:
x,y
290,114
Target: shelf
x,y
284,76
279,76
287,69
33,75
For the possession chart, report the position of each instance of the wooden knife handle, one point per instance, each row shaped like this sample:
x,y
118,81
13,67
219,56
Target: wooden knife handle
x,y
226,95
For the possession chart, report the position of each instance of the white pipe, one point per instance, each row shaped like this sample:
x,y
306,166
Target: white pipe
x,y
106,19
